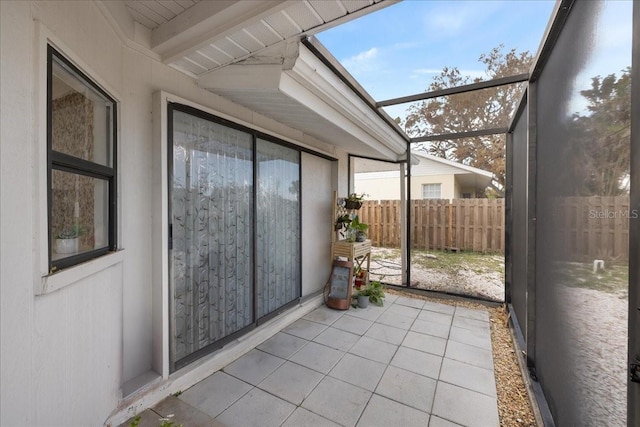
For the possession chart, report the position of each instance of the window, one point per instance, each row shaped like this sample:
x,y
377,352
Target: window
x,y
81,160
466,195
431,191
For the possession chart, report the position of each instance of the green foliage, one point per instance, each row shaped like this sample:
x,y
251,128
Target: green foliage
x,y
375,292
353,197
136,421
599,139
72,232
356,225
482,109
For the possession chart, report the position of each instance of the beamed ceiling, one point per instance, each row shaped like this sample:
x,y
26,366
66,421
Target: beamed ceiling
x,y
250,52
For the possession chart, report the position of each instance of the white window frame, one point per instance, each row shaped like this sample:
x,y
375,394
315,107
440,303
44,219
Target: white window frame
x,y
430,188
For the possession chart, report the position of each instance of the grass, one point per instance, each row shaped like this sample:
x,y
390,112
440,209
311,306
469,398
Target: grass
x,y
449,262
613,279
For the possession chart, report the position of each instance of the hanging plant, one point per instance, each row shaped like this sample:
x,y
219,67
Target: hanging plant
x,y
354,201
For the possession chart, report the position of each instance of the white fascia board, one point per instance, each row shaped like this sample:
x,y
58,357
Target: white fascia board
x,y
304,96
311,73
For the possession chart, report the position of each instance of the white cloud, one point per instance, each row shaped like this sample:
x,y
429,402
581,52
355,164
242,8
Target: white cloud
x,y
448,21
362,62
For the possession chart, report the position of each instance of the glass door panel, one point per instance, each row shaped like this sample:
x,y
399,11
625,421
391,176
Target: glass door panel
x,y
278,226
211,212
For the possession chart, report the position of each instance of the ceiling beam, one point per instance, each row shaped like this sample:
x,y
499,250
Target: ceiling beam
x,y
206,20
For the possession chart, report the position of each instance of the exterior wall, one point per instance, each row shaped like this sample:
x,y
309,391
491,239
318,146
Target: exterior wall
x,y
317,206
447,188
388,188
70,341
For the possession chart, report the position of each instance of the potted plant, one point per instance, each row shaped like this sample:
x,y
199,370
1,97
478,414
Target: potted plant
x,y
357,230
68,239
360,277
354,201
342,224
372,293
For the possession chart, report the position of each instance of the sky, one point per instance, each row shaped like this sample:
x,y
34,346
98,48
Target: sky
x,y
396,51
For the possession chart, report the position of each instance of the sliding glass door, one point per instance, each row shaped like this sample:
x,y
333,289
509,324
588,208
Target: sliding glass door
x,y
234,211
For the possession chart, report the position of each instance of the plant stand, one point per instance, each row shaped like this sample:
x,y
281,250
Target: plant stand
x,y
357,252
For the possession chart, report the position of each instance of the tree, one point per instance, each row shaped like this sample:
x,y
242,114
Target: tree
x,y
600,137
482,109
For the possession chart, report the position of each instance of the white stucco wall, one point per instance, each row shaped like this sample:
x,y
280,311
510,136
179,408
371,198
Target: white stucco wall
x,y
388,188
66,353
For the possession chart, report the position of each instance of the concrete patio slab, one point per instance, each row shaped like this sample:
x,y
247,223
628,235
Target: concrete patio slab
x,y
338,401
383,412
254,366
408,388
304,418
472,313
317,357
426,343
386,333
335,338
410,302
432,316
466,323
257,409
291,382
359,371
418,362
216,393
439,308
325,316
372,349
471,337
396,320
469,354
467,376
430,328
305,329
439,422
175,410
353,324
405,310
357,367
282,345
465,407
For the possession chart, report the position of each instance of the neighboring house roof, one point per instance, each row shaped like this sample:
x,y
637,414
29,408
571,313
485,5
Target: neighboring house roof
x,y
426,165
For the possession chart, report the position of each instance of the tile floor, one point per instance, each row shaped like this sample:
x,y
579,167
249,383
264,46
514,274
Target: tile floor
x,y
409,363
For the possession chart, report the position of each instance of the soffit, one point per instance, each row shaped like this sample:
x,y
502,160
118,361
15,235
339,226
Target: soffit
x,y
209,37
302,92
199,36
153,13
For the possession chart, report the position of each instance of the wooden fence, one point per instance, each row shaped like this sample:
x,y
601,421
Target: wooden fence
x,y
588,227
460,224
595,227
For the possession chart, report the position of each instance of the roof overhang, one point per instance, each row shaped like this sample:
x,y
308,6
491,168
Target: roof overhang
x,y
291,85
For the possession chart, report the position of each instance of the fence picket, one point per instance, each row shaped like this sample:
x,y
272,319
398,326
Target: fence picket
x,y
591,227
